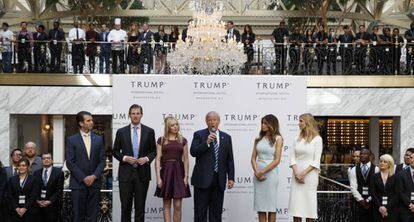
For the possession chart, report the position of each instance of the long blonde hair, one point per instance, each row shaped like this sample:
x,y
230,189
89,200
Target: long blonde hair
x,y
310,130
388,158
168,121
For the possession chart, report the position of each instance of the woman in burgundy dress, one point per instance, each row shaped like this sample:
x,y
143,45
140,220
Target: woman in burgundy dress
x,y
171,167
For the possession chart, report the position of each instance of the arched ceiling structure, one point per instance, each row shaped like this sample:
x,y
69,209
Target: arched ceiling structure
x,y
262,14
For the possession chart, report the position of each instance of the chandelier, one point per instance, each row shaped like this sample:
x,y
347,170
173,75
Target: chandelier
x,y
206,50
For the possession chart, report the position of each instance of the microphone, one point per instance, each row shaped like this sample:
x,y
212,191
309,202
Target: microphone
x,y
214,130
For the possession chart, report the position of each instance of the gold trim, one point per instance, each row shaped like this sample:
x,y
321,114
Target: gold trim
x,y
105,80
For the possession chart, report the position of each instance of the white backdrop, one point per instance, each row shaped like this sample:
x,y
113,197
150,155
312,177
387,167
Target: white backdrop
x,y
241,102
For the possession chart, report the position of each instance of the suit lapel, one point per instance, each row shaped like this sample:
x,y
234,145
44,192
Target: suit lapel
x,y
93,137
128,138
141,143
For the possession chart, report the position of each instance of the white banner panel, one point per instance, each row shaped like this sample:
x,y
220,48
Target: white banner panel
x,y
241,102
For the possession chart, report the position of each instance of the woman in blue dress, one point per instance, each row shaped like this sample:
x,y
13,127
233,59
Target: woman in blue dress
x,y
267,151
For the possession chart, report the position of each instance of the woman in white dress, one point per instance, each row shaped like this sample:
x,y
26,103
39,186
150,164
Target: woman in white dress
x,y
267,151
305,162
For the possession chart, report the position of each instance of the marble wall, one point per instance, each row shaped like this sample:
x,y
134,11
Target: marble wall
x,y
98,100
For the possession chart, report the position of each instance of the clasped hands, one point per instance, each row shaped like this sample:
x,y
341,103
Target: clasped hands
x,y
132,160
383,211
411,207
88,181
21,211
300,177
44,203
259,174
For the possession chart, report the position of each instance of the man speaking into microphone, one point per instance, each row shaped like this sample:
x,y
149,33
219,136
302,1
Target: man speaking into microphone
x,y
213,151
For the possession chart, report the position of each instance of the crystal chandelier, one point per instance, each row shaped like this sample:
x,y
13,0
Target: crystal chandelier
x,y
206,50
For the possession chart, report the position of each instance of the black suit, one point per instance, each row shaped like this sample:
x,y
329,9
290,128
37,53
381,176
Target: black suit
x,y
209,185
85,199
236,35
3,187
378,192
400,168
146,51
29,191
54,193
134,181
406,189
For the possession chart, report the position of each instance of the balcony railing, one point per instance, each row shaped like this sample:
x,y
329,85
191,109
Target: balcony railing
x,y
134,57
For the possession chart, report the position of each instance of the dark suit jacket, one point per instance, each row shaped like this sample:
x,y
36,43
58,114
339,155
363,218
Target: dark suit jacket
x,y
203,171
378,190
9,171
147,37
405,187
123,146
105,47
3,182
78,163
30,190
54,187
184,34
399,168
236,34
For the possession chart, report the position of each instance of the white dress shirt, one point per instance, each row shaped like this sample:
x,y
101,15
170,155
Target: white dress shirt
x,y
72,34
83,134
6,37
117,36
354,183
217,137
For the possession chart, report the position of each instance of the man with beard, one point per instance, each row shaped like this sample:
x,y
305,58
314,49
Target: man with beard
x,y
30,151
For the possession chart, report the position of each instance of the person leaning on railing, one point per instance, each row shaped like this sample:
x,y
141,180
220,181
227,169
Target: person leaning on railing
x,y
133,49
409,36
91,47
145,39
160,50
77,37
56,36
117,37
6,39
24,48
105,50
39,49
248,38
279,36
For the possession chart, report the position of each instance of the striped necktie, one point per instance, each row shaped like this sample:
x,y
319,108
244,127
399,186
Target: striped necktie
x,y
216,155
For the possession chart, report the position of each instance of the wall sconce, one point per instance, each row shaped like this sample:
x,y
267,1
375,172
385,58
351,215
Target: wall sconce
x,y
47,127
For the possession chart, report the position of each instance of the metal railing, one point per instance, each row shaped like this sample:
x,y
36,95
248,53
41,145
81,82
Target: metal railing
x,y
137,57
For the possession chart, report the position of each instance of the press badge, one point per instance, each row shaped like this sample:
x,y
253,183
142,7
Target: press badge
x,y
55,42
22,199
43,194
365,191
384,201
412,196
346,45
23,41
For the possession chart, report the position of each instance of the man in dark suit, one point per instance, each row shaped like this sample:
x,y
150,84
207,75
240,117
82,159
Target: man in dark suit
x,y
105,54
232,33
135,149
407,161
85,159
3,181
39,49
15,156
406,192
145,38
213,151
50,180
56,36
185,30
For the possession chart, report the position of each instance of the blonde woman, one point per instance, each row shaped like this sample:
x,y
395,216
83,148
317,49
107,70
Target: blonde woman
x,y
171,167
305,163
384,191
266,157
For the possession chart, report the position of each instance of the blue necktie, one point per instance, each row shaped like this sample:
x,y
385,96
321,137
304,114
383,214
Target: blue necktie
x,y
216,155
364,170
135,142
45,178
